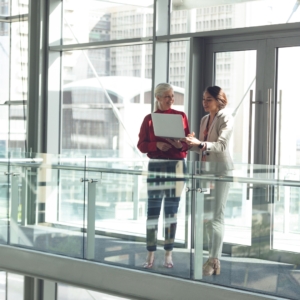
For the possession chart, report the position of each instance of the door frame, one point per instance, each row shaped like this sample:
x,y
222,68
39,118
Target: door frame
x,y
266,44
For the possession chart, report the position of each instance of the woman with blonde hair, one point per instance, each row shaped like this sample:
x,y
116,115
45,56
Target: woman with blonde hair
x,y
166,156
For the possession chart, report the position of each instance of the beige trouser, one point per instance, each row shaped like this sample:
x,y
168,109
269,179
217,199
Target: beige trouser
x,y
214,209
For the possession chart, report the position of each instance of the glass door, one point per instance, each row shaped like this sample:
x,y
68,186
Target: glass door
x,y
260,80
286,225
235,68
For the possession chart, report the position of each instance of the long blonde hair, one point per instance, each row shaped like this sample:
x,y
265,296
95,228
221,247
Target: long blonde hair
x,y
160,89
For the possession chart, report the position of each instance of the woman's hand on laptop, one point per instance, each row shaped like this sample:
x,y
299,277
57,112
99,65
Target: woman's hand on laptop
x,y
187,138
191,134
163,146
175,142
192,141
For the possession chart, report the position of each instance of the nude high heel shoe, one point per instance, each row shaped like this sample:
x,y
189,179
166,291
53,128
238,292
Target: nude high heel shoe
x,y
212,267
148,264
168,260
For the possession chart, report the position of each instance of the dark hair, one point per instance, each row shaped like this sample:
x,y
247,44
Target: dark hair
x,y
217,93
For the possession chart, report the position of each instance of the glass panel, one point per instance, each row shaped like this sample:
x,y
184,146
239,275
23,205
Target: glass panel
x,y
129,212
15,286
106,20
257,268
287,208
4,198
68,292
18,86
17,127
288,76
19,7
286,230
120,237
2,285
105,96
228,67
177,71
4,129
19,61
4,86
4,62
5,11
47,203
197,16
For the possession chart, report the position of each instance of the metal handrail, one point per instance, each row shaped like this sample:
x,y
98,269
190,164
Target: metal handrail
x,y
258,181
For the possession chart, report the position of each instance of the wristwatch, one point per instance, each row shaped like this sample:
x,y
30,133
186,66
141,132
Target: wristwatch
x,y
201,145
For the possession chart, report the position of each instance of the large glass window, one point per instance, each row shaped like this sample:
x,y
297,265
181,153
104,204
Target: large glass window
x,y
4,83
107,20
18,85
19,7
195,16
106,95
14,76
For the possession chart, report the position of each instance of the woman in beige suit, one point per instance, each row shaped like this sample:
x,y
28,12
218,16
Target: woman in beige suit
x,y
215,132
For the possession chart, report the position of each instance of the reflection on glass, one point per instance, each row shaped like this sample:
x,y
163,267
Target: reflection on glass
x,y
195,16
121,213
107,20
42,197
120,200
104,105
287,199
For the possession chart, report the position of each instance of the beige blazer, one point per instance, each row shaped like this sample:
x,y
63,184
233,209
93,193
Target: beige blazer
x,y
217,156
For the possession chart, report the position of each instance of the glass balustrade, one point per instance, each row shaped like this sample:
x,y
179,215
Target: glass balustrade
x,y
99,210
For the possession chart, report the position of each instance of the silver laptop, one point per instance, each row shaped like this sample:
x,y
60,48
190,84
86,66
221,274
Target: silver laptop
x,y
168,126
